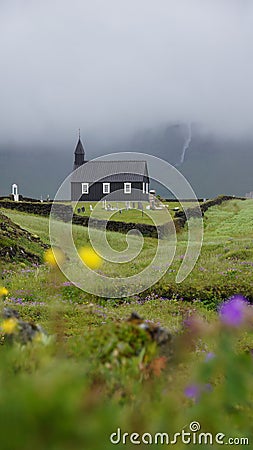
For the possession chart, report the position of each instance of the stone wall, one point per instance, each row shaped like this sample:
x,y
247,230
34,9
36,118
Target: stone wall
x,y
64,212
40,208
124,227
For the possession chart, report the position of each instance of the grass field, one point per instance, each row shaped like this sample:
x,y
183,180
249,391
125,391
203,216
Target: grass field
x,y
99,373
132,215
224,267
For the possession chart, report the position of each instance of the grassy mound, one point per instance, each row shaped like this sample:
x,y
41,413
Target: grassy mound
x,y
17,244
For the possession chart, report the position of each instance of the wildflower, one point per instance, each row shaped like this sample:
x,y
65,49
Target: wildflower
x,y
194,391
209,356
9,326
232,312
53,257
3,291
90,257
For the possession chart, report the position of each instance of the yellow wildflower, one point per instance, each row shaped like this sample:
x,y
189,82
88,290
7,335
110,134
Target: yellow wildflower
x,y
3,291
38,337
8,326
53,257
90,257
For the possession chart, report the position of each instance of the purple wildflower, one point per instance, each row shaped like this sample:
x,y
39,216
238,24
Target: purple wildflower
x,y
16,300
192,391
232,311
209,356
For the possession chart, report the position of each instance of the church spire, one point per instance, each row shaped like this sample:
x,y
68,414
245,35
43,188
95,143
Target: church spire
x,y
79,153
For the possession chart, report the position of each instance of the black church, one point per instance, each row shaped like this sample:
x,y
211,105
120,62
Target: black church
x,y
118,180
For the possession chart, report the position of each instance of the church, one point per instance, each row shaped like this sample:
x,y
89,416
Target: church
x,y
116,180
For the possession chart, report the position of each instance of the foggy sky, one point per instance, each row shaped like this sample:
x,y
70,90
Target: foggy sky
x,y
112,67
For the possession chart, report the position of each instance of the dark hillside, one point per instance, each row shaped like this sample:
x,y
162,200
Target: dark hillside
x,y
17,244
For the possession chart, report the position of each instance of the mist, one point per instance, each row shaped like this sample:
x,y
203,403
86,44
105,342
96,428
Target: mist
x,y
115,67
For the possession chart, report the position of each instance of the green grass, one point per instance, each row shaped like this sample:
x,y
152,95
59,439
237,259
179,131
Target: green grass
x,y
130,215
100,373
34,224
133,215
224,267
232,219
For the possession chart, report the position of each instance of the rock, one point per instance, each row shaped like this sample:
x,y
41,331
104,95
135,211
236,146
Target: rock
x,y
158,334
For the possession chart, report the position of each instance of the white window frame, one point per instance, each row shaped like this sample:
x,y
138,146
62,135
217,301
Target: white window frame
x,y
85,188
127,188
106,188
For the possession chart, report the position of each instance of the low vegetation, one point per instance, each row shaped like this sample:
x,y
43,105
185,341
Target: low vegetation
x,y
100,372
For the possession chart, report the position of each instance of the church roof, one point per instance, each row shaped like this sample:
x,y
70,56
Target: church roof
x,y
79,148
93,171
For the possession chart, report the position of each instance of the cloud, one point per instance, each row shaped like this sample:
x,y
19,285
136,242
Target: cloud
x,y
116,66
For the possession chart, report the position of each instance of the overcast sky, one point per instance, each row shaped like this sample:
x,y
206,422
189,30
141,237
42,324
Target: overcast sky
x,y
111,67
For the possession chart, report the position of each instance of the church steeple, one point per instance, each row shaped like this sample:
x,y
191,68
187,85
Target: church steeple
x,y
79,153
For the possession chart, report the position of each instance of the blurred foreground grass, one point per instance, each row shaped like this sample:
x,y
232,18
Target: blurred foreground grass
x,y
100,373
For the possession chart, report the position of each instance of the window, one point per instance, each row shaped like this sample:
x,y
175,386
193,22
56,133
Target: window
x,y
143,188
85,188
127,188
106,188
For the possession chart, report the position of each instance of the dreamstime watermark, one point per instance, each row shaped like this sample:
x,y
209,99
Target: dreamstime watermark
x,y
194,435
139,279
